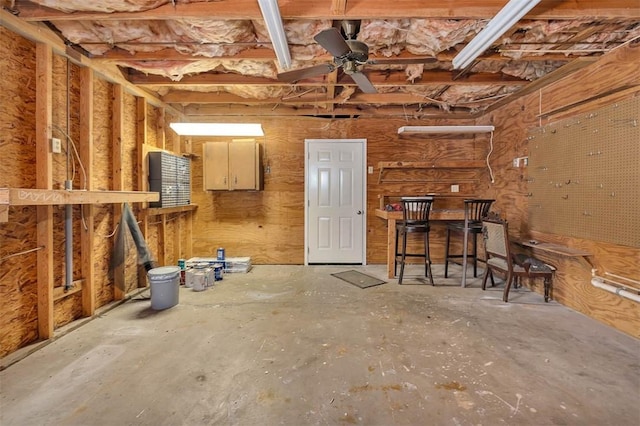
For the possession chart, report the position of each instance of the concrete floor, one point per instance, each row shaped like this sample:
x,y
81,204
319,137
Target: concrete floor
x,y
292,345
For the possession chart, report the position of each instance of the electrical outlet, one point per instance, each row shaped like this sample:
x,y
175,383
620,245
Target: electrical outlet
x,y
455,188
370,170
56,146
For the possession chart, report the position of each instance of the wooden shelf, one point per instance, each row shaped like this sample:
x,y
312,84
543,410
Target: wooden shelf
x,y
168,210
385,166
53,197
556,248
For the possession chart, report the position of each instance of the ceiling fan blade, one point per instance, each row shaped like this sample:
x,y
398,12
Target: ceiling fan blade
x,y
401,61
295,75
363,82
332,40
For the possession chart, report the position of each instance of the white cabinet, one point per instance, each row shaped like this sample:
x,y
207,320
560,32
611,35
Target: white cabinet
x,y
230,166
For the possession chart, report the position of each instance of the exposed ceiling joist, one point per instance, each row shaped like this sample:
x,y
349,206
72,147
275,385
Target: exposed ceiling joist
x,y
370,9
217,53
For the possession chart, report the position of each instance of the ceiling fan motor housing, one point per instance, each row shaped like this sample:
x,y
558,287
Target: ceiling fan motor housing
x,y
359,51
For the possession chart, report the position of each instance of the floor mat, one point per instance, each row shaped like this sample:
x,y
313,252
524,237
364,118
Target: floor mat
x,y
358,279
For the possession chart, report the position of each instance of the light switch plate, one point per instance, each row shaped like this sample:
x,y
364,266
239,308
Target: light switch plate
x,y
455,188
370,170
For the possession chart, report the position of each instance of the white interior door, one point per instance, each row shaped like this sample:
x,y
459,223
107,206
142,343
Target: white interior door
x,y
335,190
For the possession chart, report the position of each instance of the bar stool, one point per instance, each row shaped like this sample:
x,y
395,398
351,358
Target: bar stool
x,y
474,211
415,219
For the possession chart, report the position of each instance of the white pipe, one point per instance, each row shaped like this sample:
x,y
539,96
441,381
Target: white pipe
x,y
622,278
598,282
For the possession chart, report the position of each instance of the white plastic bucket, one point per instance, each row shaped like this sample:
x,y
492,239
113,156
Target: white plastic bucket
x,y
165,286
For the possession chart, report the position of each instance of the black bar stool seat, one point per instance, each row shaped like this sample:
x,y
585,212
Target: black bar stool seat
x,y
415,219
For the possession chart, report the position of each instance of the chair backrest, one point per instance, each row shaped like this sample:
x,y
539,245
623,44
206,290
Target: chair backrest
x,y
496,237
416,209
475,209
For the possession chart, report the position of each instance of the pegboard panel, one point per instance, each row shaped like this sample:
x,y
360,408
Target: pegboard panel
x,y
584,175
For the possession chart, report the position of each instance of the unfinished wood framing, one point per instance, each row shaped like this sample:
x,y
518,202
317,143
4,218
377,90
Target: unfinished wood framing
x,y
44,71
143,184
117,183
86,156
56,197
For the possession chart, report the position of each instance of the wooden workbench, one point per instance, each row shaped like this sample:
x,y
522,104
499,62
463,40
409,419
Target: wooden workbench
x,y
391,217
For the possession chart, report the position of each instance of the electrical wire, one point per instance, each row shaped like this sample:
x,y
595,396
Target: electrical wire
x,y
487,160
9,256
75,151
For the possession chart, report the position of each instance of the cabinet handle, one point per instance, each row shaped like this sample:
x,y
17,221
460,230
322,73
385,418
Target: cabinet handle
x,y
235,179
225,180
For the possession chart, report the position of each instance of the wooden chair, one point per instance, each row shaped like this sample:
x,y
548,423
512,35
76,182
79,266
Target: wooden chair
x,y
474,211
500,259
415,219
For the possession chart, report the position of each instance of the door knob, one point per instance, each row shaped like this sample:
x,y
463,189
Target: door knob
x,y
359,212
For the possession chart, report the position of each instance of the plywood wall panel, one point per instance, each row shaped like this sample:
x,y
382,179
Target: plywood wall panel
x,y
252,223
17,139
130,182
513,122
591,82
67,309
103,244
18,315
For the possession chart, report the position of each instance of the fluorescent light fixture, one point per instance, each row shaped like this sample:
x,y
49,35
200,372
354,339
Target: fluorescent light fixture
x,y
273,21
217,129
444,129
505,19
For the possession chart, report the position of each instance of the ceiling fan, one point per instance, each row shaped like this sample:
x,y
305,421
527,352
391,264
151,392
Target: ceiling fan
x,y
349,54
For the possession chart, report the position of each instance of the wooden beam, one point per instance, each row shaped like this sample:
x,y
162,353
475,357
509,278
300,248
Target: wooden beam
x,y
339,7
171,54
117,184
143,183
122,57
371,9
39,33
440,164
56,197
278,110
160,127
169,210
44,181
392,78
86,156
560,73
315,98
162,246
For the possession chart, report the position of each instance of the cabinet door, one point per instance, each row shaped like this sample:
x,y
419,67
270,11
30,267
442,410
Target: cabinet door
x,y
216,166
242,165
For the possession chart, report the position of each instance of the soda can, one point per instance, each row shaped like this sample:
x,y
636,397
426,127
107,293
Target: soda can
x,y
220,254
217,269
181,263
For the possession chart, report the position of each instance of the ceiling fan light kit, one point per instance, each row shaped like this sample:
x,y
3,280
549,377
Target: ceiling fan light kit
x,y
273,21
506,18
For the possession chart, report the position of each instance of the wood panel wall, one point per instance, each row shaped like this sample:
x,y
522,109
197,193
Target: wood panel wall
x,y
602,83
269,225
19,313
72,112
